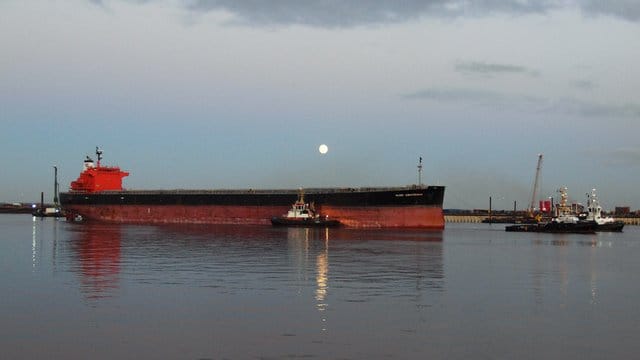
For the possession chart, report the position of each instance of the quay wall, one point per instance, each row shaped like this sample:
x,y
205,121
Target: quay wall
x,y
464,218
630,221
479,218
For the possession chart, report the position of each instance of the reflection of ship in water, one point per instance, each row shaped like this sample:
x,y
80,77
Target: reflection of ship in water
x,y
309,243
97,250
565,279
368,264
201,255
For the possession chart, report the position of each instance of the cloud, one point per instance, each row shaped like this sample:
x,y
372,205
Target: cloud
x,y
596,110
625,9
565,106
488,69
315,13
583,84
347,13
350,13
454,95
624,156
104,2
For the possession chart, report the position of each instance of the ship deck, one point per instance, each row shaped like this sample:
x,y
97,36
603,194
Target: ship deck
x,y
306,191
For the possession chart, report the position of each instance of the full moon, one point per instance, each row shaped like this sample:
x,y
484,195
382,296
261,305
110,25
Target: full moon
x,y
323,149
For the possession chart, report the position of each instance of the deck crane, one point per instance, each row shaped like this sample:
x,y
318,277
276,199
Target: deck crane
x,y
534,191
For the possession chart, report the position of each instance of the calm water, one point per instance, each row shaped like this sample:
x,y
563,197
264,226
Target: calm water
x,y
73,291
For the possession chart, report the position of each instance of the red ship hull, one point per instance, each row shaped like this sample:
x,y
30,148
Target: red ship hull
x,y
427,217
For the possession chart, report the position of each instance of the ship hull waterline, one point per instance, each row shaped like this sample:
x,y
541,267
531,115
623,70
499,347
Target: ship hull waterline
x,y
403,207
427,217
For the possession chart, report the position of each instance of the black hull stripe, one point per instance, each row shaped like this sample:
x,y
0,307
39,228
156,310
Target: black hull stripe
x,y
424,196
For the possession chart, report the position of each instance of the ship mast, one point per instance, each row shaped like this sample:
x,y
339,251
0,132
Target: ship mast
x,y
534,191
99,153
55,186
420,172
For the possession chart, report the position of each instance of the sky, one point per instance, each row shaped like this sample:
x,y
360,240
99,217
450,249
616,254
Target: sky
x,y
201,94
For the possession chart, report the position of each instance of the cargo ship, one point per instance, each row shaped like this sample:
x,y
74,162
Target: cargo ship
x,y
97,195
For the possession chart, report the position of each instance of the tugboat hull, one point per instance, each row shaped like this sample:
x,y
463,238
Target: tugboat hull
x,y
551,227
613,227
283,221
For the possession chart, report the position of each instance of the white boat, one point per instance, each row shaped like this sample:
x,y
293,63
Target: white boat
x,y
594,213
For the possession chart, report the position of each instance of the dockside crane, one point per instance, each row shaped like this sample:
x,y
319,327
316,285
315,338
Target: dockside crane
x,y
534,191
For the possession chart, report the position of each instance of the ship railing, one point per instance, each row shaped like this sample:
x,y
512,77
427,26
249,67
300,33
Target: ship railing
x,y
272,191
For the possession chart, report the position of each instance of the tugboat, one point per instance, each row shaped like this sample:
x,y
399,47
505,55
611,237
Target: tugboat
x,y
564,221
303,214
594,214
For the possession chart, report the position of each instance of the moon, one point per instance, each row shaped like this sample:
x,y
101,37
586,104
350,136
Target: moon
x,y
323,149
